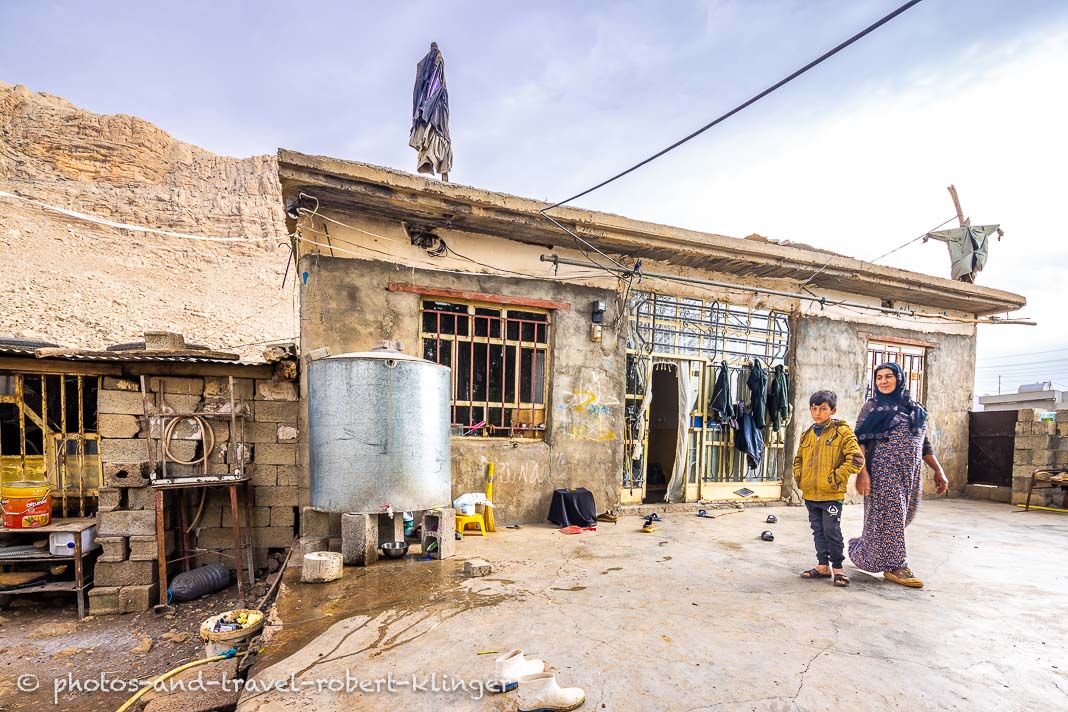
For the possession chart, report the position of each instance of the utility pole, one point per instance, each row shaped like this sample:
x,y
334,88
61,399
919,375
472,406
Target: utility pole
x,y
999,384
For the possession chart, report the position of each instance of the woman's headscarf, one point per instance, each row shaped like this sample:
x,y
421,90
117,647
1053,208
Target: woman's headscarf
x,y
888,405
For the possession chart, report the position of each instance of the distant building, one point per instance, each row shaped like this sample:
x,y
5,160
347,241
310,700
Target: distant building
x,y
1045,395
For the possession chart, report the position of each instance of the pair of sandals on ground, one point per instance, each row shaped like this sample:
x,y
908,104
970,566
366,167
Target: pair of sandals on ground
x,y
903,576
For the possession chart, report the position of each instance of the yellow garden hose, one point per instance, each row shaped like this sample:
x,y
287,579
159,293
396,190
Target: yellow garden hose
x,y
140,693
206,433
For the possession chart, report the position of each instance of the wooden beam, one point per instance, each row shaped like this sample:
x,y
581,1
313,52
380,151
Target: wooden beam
x,y
33,365
900,341
477,296
164,368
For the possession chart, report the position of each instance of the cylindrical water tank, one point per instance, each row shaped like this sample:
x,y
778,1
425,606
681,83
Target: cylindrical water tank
x,y
379,429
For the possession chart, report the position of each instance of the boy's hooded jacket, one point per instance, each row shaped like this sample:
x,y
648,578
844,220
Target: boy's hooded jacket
x,y
823,464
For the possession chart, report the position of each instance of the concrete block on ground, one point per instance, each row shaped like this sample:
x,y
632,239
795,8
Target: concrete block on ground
x,y
390,529
127,523
1001,494
218,387
477,567
321,567
121,402
184,385
103,600
319,524
287,434
125,573
137,599
276,391
275,496
114,425
115,548
277,412
109,499
359,539
977,491
308,545
125,474
276,454
334,544
439,526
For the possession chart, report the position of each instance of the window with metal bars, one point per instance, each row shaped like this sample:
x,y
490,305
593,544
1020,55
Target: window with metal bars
x,y
499,358
910,358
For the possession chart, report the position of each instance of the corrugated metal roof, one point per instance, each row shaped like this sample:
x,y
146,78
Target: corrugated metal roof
x,y
122,356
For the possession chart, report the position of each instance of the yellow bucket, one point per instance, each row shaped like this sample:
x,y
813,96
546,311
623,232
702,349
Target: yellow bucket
x,y
26,504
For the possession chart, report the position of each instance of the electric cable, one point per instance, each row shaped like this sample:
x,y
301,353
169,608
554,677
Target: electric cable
x,y
778,85
918,237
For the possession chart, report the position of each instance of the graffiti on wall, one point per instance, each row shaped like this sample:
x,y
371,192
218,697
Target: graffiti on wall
x,y
585,412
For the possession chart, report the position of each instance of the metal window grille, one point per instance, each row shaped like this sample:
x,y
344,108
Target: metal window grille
x,y
499,361
910,358
48,426
709,332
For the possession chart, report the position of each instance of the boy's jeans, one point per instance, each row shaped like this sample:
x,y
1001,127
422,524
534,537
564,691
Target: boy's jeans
x,y
825,518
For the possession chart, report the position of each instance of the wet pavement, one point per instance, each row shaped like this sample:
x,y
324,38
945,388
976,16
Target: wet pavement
x,y
701,614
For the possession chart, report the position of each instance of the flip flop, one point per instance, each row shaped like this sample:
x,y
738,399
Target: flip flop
x,y
841,580
702,512
814,574
649,528
571,530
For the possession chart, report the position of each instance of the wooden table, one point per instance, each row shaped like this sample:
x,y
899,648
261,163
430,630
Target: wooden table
x,y
80,584
1053,477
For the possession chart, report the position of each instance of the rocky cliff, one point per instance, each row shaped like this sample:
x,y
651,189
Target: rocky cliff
x,y
80,284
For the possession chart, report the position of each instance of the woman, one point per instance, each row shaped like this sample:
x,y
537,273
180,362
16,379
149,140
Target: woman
x,y
892,429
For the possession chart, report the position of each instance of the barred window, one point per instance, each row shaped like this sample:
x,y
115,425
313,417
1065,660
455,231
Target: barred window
x,y
910,358
498,356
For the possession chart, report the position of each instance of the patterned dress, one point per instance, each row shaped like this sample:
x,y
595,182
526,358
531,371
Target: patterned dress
x,y
895,464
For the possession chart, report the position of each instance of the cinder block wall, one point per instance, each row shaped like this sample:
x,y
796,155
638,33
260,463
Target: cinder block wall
x,y
1038,444
126,575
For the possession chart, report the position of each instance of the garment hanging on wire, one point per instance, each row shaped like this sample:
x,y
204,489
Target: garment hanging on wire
x,y
430,115
968,248
758,393
778,402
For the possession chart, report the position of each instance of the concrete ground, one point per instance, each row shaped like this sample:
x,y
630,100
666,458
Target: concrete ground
x,y
700,615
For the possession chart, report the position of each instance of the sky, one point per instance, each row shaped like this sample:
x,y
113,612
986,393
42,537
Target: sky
x,y
550,98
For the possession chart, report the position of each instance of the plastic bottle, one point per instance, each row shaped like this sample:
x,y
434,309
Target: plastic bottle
x,y
193,584
409,524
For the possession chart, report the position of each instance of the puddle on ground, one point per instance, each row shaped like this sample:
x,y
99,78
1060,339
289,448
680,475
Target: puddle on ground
x,y
573,588
406,586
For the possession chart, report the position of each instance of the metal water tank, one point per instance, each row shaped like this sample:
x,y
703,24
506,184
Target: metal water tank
x,y
379,429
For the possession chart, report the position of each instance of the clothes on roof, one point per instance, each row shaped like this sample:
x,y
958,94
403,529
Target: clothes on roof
x,y
968,248
430,115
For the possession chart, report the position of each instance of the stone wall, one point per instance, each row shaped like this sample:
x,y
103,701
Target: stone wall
x,y
126,576
1038,444
833,355
346,307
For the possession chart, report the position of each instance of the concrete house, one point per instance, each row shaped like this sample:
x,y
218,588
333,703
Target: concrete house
x,y
568,374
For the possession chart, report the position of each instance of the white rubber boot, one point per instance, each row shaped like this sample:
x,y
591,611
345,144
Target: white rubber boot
x,y
540,693
511,666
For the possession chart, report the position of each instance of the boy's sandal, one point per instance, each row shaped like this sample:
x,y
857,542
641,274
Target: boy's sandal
x,y
841,580
814,574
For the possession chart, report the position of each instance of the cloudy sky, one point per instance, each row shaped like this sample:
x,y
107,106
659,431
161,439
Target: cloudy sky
x,y
549,98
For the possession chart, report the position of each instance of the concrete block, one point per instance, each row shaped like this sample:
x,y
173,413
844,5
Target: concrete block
x,y
121,384
275,454
321,566
217,387
103,600
260,432
1062,416
264,475
121,403
1042,458
277,412
187,428
176,385
1001,494
137,599
125,474
334,544
127,523
282,517
1039,498
115,548
1060,458
288,434
1046,427
308,545
143,548
439,526
1033,442
477,567
390,529
110,425
216,538
179,403
359,539
124,450
272,537
125,573
977,491
141,498
275,496
261,517
1027,415
182,450
276,391
319,524
1062,429
222,406
288,475
109,499
1025,428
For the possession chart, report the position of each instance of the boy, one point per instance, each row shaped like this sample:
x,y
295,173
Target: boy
x,y
826,457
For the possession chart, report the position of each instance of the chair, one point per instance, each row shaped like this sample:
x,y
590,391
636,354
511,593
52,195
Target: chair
x,y
462,520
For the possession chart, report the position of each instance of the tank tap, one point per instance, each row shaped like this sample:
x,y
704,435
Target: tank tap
x,y
389,509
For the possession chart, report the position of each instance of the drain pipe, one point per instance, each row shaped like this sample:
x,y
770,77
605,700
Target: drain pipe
x,y
822,301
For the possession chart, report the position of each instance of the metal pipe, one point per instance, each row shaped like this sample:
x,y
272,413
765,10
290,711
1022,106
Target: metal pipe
x,y
822,301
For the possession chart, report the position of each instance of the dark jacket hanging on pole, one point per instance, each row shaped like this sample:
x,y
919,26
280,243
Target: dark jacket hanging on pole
x,y
778,403
720,404
430,115
748,438
758,393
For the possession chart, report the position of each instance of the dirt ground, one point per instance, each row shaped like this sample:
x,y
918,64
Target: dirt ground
x,y
42,637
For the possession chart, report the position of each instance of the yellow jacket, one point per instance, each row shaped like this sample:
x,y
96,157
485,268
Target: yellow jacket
x,y
823,464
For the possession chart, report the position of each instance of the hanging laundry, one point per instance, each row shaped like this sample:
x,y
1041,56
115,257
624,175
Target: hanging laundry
x,y
968,248
430,115
778,403
719,405
748,438
758,393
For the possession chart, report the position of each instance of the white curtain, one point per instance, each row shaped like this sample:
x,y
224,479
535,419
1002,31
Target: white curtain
x,y
676,489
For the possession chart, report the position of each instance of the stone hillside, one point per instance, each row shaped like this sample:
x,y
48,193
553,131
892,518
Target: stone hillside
x,y
84,285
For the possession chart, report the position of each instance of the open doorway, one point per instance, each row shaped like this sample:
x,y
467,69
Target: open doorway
x,y
663,432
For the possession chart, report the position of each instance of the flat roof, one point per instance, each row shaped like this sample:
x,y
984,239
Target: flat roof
x,y
385,193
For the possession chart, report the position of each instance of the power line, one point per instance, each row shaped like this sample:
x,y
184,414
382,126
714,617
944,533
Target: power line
x,y
778,85
1024,363
918,237
1029,353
